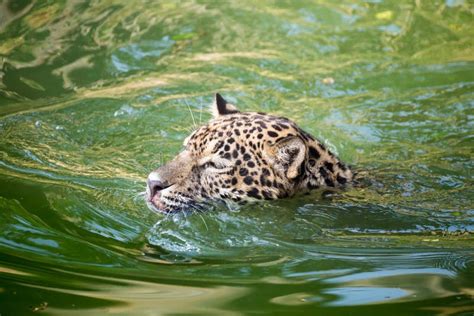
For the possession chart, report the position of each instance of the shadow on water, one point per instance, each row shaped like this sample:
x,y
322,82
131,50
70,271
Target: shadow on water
x,y
94,95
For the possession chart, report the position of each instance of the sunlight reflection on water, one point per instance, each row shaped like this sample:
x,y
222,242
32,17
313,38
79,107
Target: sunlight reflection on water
x,y
94,95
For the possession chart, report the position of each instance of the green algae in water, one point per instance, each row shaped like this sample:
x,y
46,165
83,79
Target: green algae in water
x,y
94,95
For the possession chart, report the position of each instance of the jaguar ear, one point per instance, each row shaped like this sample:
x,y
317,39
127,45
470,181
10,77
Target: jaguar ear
x,y
288,155
221,107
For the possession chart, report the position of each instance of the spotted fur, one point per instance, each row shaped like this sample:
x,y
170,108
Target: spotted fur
x,y
242,156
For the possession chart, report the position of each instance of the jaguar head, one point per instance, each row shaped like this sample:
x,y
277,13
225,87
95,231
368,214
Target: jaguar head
x,y
241,156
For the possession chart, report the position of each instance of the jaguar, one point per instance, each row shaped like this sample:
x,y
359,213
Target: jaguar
x,y
239,157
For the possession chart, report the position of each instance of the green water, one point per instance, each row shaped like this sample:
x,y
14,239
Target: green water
x,y
95,95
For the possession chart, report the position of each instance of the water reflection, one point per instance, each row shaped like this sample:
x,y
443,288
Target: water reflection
x,y
93,95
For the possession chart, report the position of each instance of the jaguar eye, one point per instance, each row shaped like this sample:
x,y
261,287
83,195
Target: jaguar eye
x,y
312,162
214,165
210,164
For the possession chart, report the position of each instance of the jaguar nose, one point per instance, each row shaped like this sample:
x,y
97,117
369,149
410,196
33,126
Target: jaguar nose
x,y
155,184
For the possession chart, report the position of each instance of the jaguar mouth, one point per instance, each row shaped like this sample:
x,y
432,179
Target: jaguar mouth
x,y
162,201
154,201
163,205
158,204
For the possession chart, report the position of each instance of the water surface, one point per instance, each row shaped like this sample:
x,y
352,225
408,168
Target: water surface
x,y
94,95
